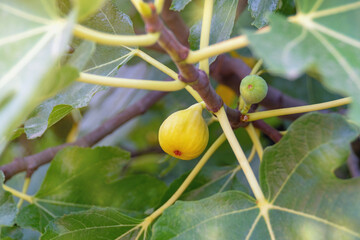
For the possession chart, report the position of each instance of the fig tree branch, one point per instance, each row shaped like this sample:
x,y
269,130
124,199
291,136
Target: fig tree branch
x,y
32,162
188,73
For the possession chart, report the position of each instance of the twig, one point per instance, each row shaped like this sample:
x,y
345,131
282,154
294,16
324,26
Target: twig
x,y
271,132
189,74
32,162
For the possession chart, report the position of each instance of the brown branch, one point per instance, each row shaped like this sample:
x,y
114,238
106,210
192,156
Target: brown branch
x,y
175,23
31,163
268,130
189,74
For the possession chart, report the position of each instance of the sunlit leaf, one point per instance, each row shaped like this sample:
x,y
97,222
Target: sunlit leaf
x,y
31,43
104,60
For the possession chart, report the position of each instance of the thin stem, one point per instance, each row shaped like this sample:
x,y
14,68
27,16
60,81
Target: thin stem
x,y
189,178
115,40
24,190
132,83
255,139
162,67
216,49
238,168
256,67
205,33
142,7
249,174
293,110
165,69
18,194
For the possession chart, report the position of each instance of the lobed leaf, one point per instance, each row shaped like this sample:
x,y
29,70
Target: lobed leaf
x,y
318,38
306,199
31,45
102,60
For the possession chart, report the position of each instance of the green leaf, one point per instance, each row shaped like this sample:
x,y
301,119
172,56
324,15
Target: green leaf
x,y
87,7
297,176
92,224
178,5
206,184
319,38
8,233
259,10
80,178
104,60
8,208
31,44
222,23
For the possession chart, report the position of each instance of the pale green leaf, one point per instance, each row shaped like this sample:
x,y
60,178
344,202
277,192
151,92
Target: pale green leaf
x,y
319,38
32,40
104,60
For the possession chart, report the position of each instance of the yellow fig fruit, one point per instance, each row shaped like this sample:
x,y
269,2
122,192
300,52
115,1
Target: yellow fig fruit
x,y
184,134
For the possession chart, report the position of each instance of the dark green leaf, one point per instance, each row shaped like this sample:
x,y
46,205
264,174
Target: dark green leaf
x,y
80,178
306,200
319,38
7,206
92,224
8,233
227,215
31,44
206,184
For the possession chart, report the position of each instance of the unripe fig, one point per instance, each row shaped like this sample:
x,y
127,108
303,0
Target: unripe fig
x,y
253,89
184,134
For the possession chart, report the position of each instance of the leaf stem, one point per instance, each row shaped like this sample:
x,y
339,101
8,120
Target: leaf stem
x,y
205,32
255,139
165,69
115,40
249,174
256,67
18,194
293,110
189,178
132,83
142,7
216,49
24,190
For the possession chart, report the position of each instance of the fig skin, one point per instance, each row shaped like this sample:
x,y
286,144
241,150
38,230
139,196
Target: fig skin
x,y
184,134
253,89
